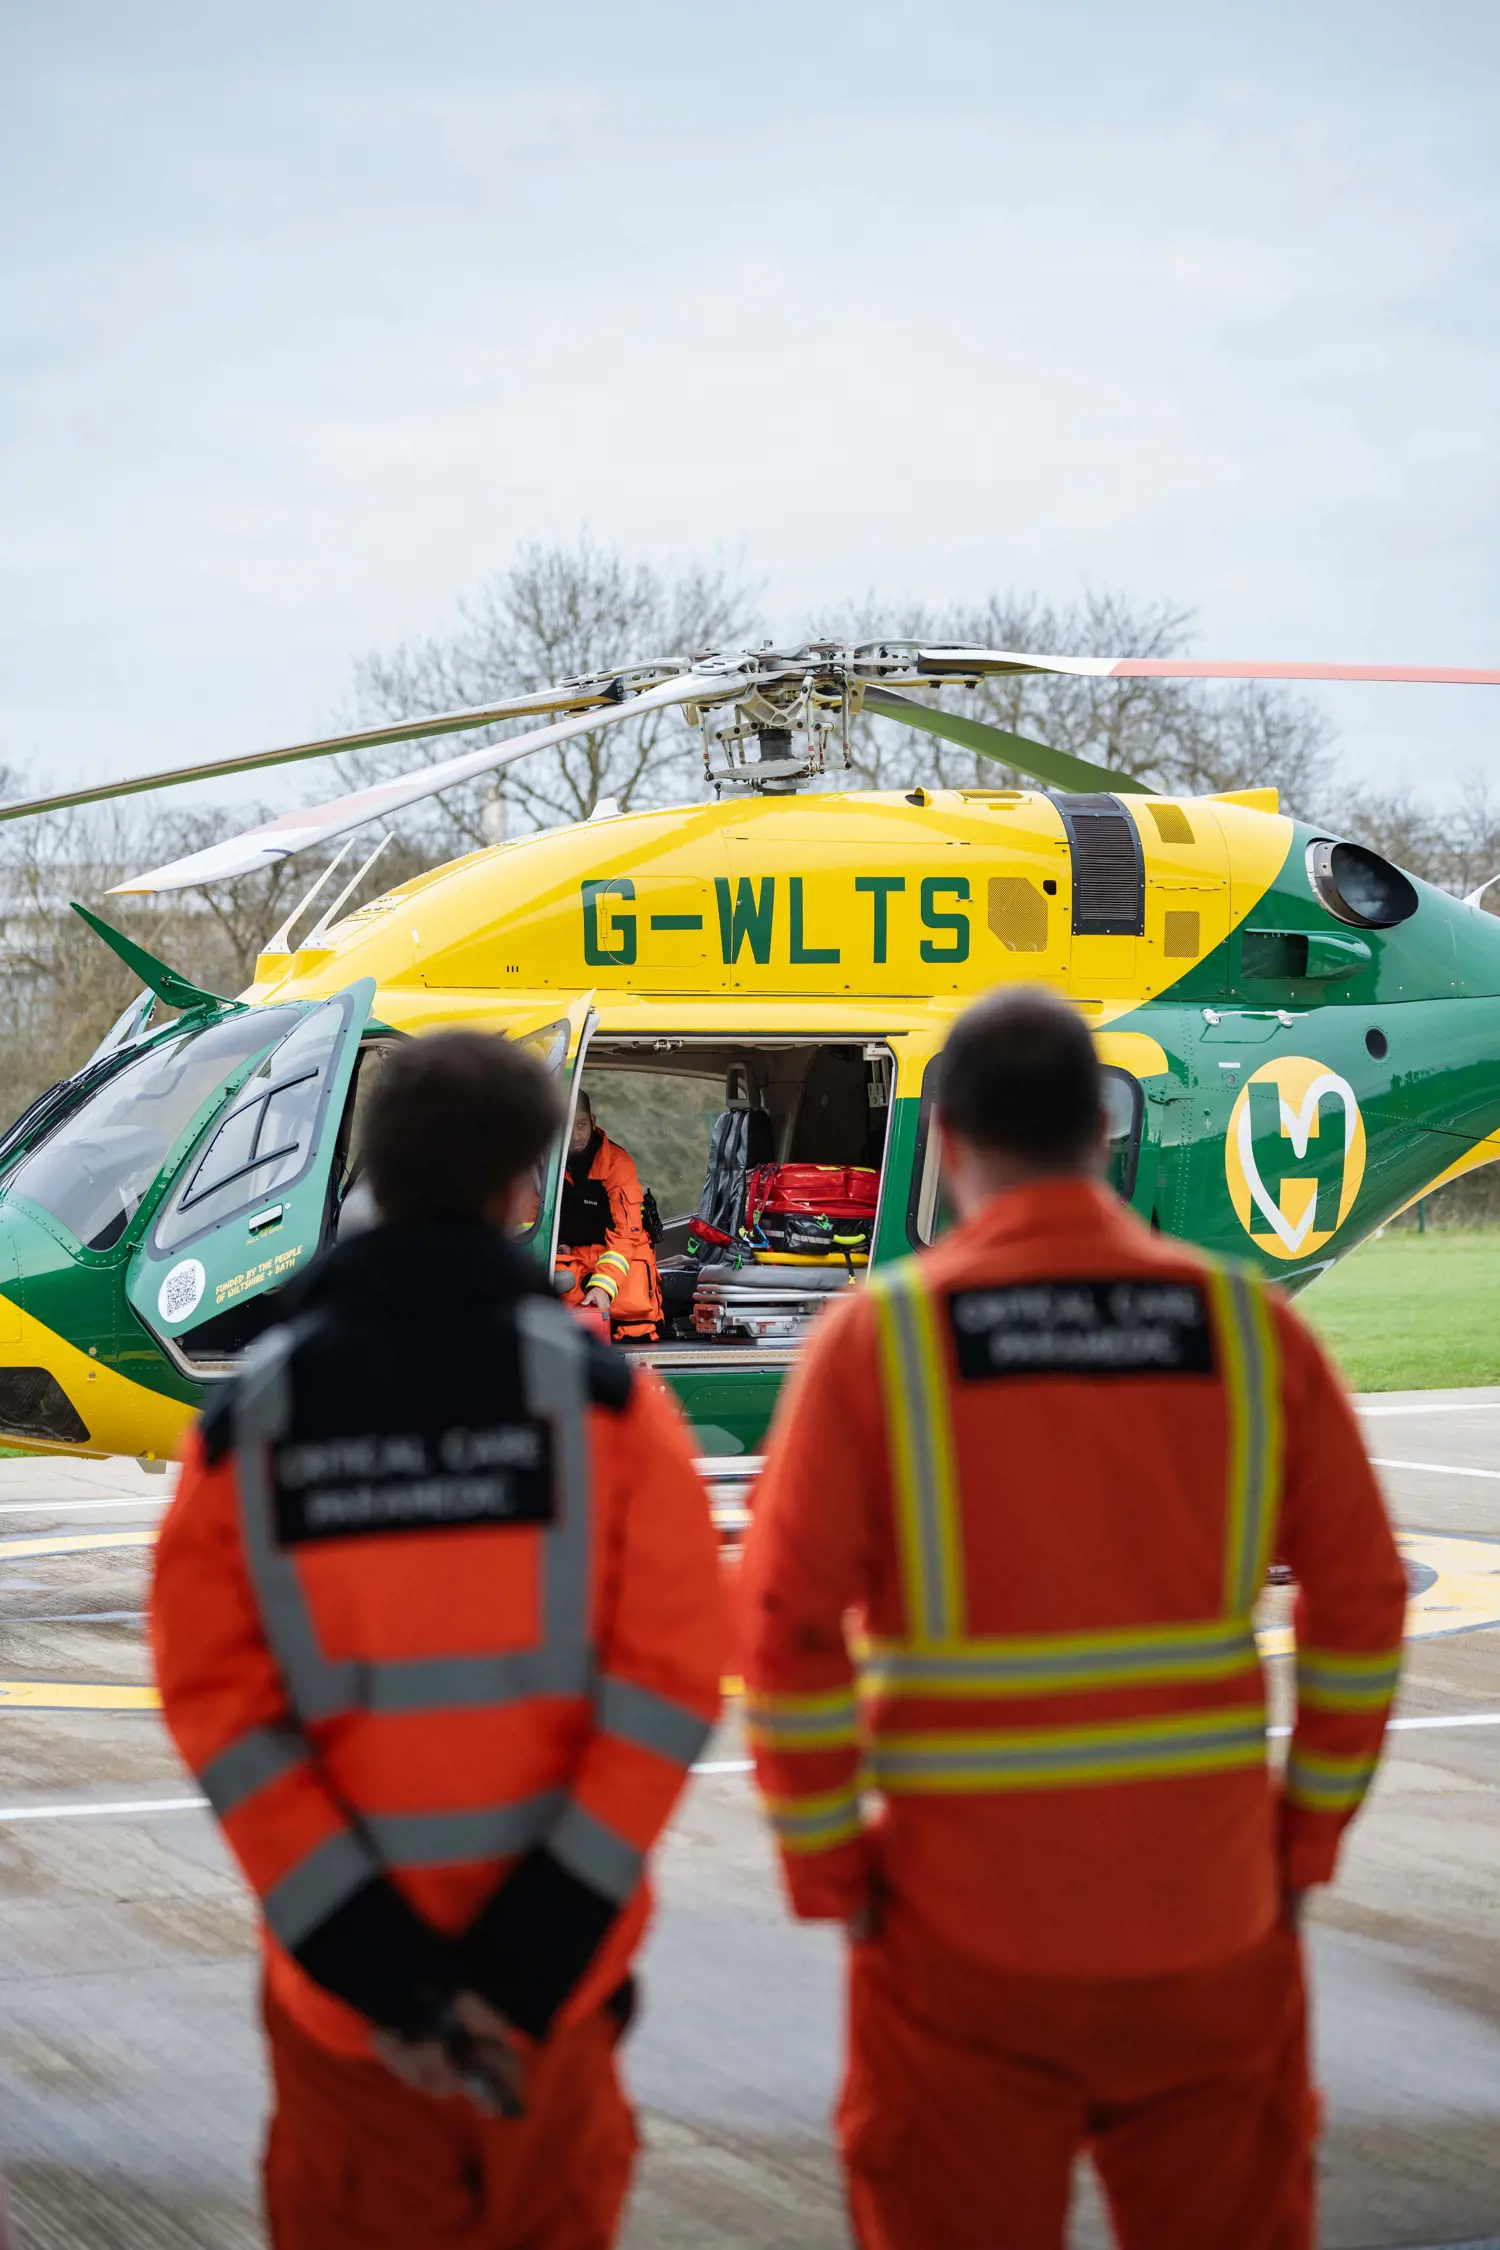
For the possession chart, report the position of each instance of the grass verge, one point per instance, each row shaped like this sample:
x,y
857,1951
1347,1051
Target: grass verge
x,y
1410,1312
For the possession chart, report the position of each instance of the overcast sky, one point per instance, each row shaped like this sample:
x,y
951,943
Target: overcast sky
x,y
310,313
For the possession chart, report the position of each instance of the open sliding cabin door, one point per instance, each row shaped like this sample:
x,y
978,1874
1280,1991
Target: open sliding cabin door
x,y
561,1039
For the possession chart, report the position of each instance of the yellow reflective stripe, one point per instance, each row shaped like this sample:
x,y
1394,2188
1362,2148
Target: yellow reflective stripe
x,y
801,1722
1065,1663
1194,1742
1320,1782
1265,1371
1235,1378
815,1824
1249,1365
615,1259
921,1445
1346,1679
606,1282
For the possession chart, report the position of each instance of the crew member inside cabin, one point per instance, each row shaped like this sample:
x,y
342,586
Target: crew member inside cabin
x,y
604,1251
435,1621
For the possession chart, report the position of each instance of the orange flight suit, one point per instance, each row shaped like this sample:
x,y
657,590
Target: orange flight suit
x,y
1044,1465
621,1260
435,1620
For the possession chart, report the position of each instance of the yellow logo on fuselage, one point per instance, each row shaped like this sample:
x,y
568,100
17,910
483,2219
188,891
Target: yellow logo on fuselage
x,y
1287,1225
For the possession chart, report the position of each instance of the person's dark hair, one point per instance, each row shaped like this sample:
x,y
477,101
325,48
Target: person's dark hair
x,y
1019,1075
454,1118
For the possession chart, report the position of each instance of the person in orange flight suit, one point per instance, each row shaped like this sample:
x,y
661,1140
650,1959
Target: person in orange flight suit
x,y
604,1251
435,1621
1044,1466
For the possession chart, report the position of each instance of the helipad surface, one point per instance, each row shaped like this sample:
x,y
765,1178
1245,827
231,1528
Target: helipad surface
x,y
130,2086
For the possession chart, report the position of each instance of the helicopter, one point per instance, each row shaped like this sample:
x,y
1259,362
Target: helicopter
x,y
1297,1037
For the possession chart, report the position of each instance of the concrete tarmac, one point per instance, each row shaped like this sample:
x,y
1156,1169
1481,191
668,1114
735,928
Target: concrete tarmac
x,y
131,2090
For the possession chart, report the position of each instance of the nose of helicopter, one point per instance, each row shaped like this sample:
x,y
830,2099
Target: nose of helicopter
x,y
78,1374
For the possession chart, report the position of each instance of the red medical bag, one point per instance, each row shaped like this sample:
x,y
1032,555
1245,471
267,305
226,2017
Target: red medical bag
x,y
809,1209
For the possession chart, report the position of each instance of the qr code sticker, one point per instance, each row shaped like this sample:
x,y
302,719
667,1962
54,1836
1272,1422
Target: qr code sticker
x,y
180,1293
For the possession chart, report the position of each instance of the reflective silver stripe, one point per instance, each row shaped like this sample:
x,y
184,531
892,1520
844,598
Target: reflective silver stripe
x,y
1127,1749
1066,1663
654,1722
250,1765
318,1885
554,1378
316,1688
596,1854
441,1683
443,1839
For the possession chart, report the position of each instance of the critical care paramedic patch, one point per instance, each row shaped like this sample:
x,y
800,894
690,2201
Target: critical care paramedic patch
x,y
1082,1328
361,1486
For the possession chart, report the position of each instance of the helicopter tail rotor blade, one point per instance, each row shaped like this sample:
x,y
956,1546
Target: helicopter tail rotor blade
x,y
987,663
315,824
1055,769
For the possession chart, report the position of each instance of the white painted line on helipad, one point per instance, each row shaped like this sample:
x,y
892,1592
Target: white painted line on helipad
x,y
128,1805
1438,1719
1435,1468
1452,1719
1437,1406
56,1507
84,1812
198,1804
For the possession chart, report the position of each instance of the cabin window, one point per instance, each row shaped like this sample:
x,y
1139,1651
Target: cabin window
x,y
93,1172
664,1118
266,1142
929,1213
1124,1108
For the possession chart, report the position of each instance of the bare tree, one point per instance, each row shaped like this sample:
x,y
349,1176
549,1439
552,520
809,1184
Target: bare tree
x,y
1177,735
553,614
61,987
1456,846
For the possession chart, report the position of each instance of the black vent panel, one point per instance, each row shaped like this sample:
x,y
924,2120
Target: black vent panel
x,y
33,1404
1109,868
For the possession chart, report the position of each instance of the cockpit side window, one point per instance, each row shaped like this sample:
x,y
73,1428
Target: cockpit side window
x,y
93,1171
266,1142
928,1212
1124,1107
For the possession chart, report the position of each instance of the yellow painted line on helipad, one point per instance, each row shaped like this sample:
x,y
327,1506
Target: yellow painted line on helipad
x,y
76,1695
75,1543
1464,1597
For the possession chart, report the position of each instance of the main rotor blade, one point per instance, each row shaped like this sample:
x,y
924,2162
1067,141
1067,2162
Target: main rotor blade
x,y
1056,769
983,663
314,824
575,697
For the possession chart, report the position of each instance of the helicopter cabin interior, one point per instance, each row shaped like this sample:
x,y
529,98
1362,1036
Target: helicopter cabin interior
x,y
763,1163
765,1168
